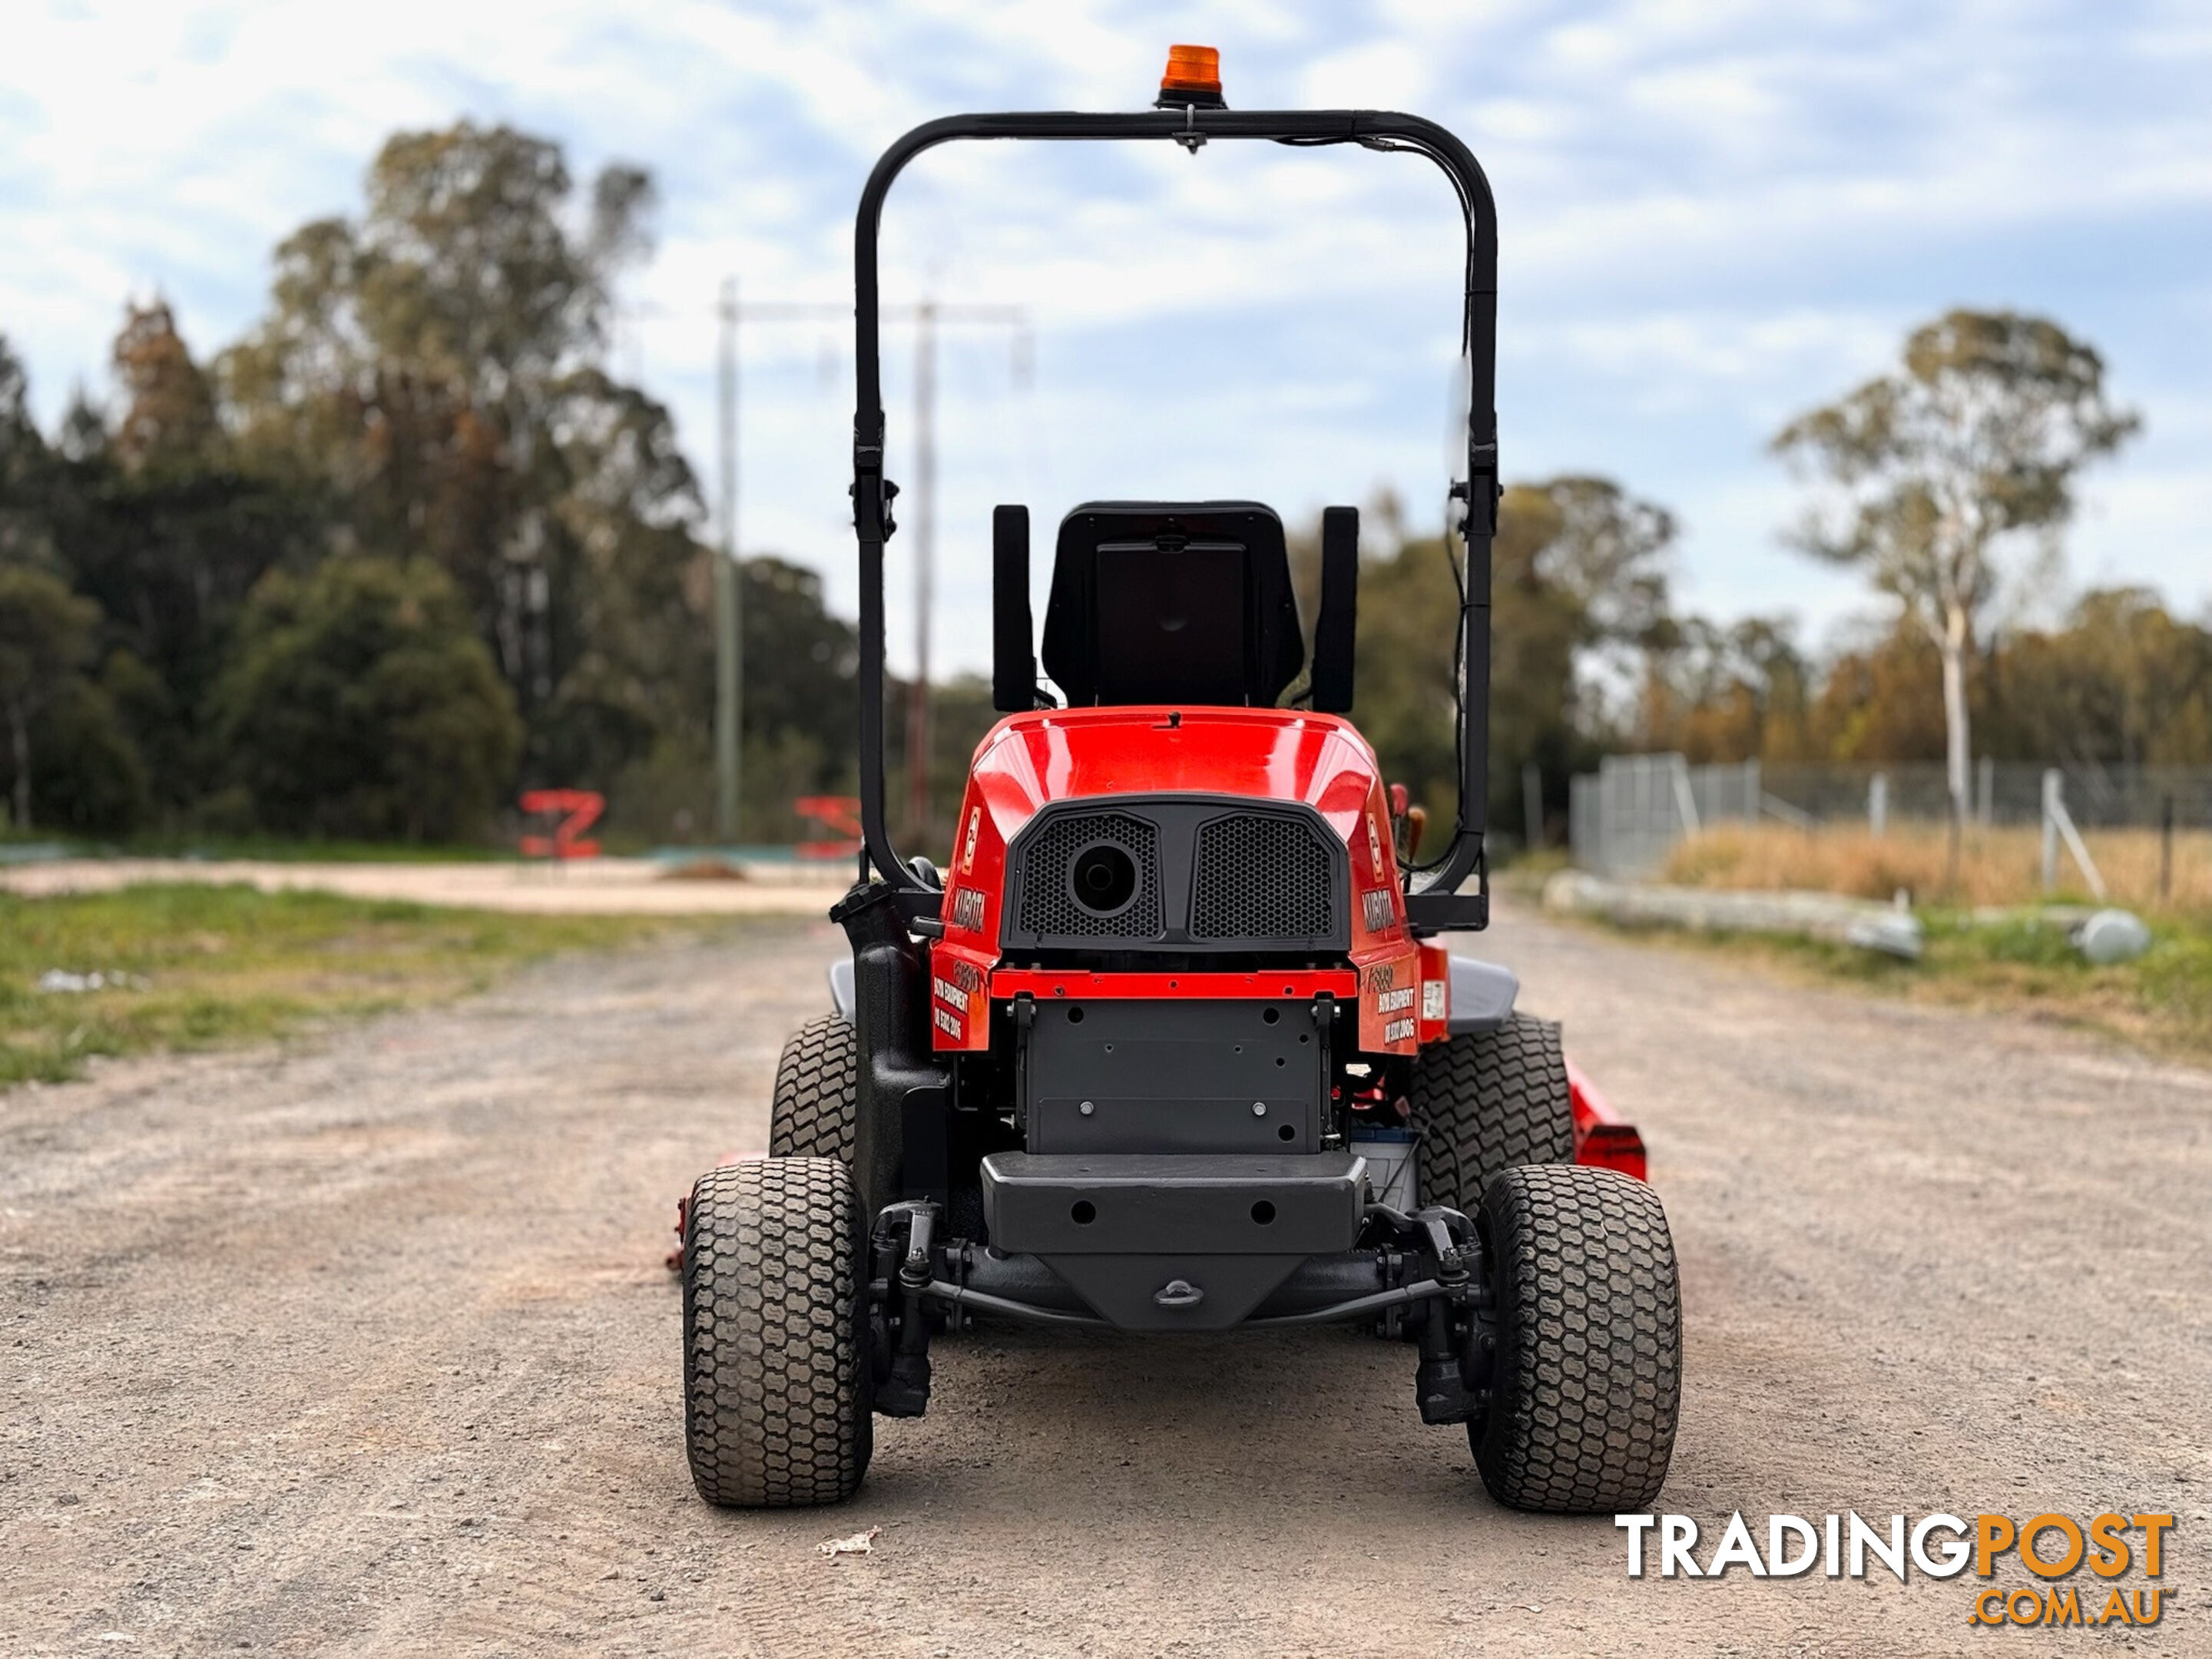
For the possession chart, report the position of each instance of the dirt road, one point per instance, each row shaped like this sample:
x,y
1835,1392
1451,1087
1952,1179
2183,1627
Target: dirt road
x,y
608,886
365,1346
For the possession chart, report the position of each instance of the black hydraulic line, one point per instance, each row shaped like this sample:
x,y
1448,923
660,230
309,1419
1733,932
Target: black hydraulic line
x,y
1322,1281
1431,906
1017,1277
1418,1292
984,1302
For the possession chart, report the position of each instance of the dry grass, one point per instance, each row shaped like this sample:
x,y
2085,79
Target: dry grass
x,y
1997,866
189,966
2020,961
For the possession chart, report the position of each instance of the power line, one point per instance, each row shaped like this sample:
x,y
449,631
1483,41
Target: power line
x,y
728,589
925,317
729,597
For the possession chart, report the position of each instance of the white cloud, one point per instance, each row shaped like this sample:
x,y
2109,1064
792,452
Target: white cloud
x,y
1378,75
1713,215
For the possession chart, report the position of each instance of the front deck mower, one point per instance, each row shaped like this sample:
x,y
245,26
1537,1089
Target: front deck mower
x,y
1173,1044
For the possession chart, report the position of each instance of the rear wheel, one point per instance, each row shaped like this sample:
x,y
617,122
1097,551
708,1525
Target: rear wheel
x,y
776,1381
817,1084
1588,1371
1487,1101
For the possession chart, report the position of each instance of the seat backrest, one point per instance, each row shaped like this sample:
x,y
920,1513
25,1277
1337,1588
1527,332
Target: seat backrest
x,y
1171,602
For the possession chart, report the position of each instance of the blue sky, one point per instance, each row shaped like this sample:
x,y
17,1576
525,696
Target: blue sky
x,y
1713,216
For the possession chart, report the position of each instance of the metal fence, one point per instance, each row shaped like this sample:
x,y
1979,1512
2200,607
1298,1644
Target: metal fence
x,y
1625,817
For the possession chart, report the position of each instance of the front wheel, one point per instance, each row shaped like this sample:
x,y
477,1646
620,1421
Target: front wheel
x,y
776,1377
1587,1372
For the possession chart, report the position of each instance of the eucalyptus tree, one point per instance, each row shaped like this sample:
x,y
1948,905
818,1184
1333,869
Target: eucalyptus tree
x,y
438,365
1929,475
1579,577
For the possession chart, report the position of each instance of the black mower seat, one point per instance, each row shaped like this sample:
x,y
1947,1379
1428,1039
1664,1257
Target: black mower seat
x,y
1172,602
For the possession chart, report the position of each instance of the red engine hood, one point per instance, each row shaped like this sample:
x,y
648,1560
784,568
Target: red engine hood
x,y
1030,761
1276,754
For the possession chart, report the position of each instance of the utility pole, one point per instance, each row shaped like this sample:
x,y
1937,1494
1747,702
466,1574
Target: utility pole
x,y
729,598
925,317
729,588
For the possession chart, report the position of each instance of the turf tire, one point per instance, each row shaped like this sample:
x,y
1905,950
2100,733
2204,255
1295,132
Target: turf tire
x,y
817,1091
1486,1102
1588,1371
777,1385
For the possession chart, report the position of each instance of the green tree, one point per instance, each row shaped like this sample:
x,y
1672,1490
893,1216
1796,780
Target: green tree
x,y
2123,683
1718,692
434,365
1578,569
67,751
1931,470
801,671
802,663
45,638
1599,548
169,417
25,470
91,778
360,702
161,527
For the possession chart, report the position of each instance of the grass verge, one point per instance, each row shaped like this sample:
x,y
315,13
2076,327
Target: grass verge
x,y
2162,1001
1997,865
189,967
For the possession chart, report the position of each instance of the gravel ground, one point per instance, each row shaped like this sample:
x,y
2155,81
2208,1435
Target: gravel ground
x,y
364,1345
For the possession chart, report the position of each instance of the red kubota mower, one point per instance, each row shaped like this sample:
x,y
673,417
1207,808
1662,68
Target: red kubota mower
x,y
1172,1045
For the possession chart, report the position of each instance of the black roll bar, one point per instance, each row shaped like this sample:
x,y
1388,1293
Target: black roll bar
x,y
1432,905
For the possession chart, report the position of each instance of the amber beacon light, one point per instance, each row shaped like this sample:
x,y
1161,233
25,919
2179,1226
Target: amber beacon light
x,y
1193,78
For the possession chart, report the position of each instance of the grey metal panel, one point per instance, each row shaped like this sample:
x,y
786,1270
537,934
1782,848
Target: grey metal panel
x,y
1173,1204
1482,994
842,1001
1174,1076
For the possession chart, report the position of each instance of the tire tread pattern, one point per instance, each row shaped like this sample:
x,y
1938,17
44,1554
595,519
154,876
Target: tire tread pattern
x,y
817,1088
1496,1098
1589,1367
776,1404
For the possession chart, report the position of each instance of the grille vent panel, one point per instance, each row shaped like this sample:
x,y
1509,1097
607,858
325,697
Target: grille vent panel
x,y
1262,877
1048,908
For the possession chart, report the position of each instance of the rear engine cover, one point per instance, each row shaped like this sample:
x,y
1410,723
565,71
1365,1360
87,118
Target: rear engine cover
x,y
1190,873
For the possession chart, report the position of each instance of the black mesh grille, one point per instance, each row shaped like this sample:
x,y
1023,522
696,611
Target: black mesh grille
x,y
1048,908
1261,877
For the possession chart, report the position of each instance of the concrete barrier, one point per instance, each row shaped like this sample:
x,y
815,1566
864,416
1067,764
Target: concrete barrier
x,y
1859,922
